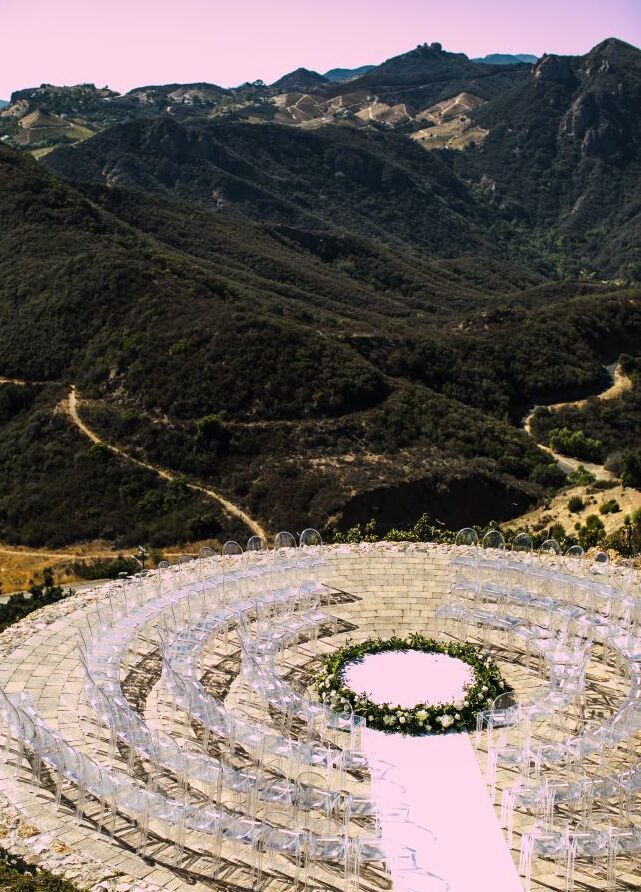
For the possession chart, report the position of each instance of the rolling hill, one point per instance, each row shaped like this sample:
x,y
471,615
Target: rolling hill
x,y
323,322
343,364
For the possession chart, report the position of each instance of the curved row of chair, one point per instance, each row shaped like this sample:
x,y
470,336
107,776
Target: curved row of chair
x,y
189,616
595,606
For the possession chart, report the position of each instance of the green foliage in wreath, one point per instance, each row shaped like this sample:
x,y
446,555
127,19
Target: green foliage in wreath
x,y
460,715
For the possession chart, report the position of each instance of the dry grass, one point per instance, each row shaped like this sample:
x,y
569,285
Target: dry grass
x,y
21,567
558,512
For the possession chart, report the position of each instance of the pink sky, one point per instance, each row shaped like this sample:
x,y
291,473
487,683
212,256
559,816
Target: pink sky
x,y
127,43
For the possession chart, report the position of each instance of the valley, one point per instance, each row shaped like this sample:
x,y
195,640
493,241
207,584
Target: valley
x,y
270,307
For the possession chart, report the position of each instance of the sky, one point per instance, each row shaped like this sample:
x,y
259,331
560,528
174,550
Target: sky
x,y
128,43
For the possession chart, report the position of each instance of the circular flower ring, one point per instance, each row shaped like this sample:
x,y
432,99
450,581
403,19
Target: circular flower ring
x,y
460,715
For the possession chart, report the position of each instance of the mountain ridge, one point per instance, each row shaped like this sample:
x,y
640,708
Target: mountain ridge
x,y
506,58
327,305
344,74
156,305
300,79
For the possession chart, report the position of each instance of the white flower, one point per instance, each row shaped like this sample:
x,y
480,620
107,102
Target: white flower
x,y
445,720
370,718
457,717
484,688
428,727
458,704
421,715
402,720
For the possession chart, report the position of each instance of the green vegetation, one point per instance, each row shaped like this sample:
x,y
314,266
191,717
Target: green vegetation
x,y
485,686
603,430
18,606
575,444
58,488
17,875
591,533
580,477
631,467
324,325
609,507
575,504
626,541
105,568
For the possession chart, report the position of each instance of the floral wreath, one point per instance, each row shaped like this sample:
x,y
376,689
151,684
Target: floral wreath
x,y
459,715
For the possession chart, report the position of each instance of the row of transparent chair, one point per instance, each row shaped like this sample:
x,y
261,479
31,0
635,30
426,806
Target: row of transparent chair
x,y
610,603
118,793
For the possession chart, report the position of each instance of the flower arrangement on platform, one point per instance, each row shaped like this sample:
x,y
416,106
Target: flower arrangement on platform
x,y
459,715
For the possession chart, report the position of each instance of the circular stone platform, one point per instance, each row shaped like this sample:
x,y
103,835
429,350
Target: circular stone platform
x,y
408,678
377,590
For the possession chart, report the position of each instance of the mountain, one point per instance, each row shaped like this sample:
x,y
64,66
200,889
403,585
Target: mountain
x,y
554,158
322,321
41,118
352,263
302,79
388,96
367,183
345,74
156,304
429,74
506,59
563,150
3,103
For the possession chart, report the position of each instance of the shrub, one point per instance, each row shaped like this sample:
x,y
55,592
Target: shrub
x,y
549,476
108,568
609,507
17,875
614,463
557,531
600,485
18,606
581,477
575,503
631,468
591,533
213,434
575,444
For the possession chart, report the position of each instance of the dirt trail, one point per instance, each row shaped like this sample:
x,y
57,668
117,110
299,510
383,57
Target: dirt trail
x,y
21,564
70,406
22,383
620,383
62,555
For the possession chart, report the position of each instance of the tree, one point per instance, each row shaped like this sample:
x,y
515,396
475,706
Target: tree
x,y
631,468
213,434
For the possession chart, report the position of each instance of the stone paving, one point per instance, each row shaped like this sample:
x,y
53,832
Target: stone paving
x,y
381,589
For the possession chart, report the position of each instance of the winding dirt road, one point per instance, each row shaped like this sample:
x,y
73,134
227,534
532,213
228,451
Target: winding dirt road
x,y
70,406
620,383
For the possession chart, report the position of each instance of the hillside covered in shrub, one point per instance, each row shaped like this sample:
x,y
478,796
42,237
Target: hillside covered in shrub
x,y
324,325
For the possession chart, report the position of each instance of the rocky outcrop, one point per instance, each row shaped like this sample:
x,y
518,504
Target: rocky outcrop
x,y
554,69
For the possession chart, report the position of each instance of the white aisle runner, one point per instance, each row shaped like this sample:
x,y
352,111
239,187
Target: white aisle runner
x,y
445,792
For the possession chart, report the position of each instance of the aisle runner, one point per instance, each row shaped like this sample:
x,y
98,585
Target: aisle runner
x,y
445,792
